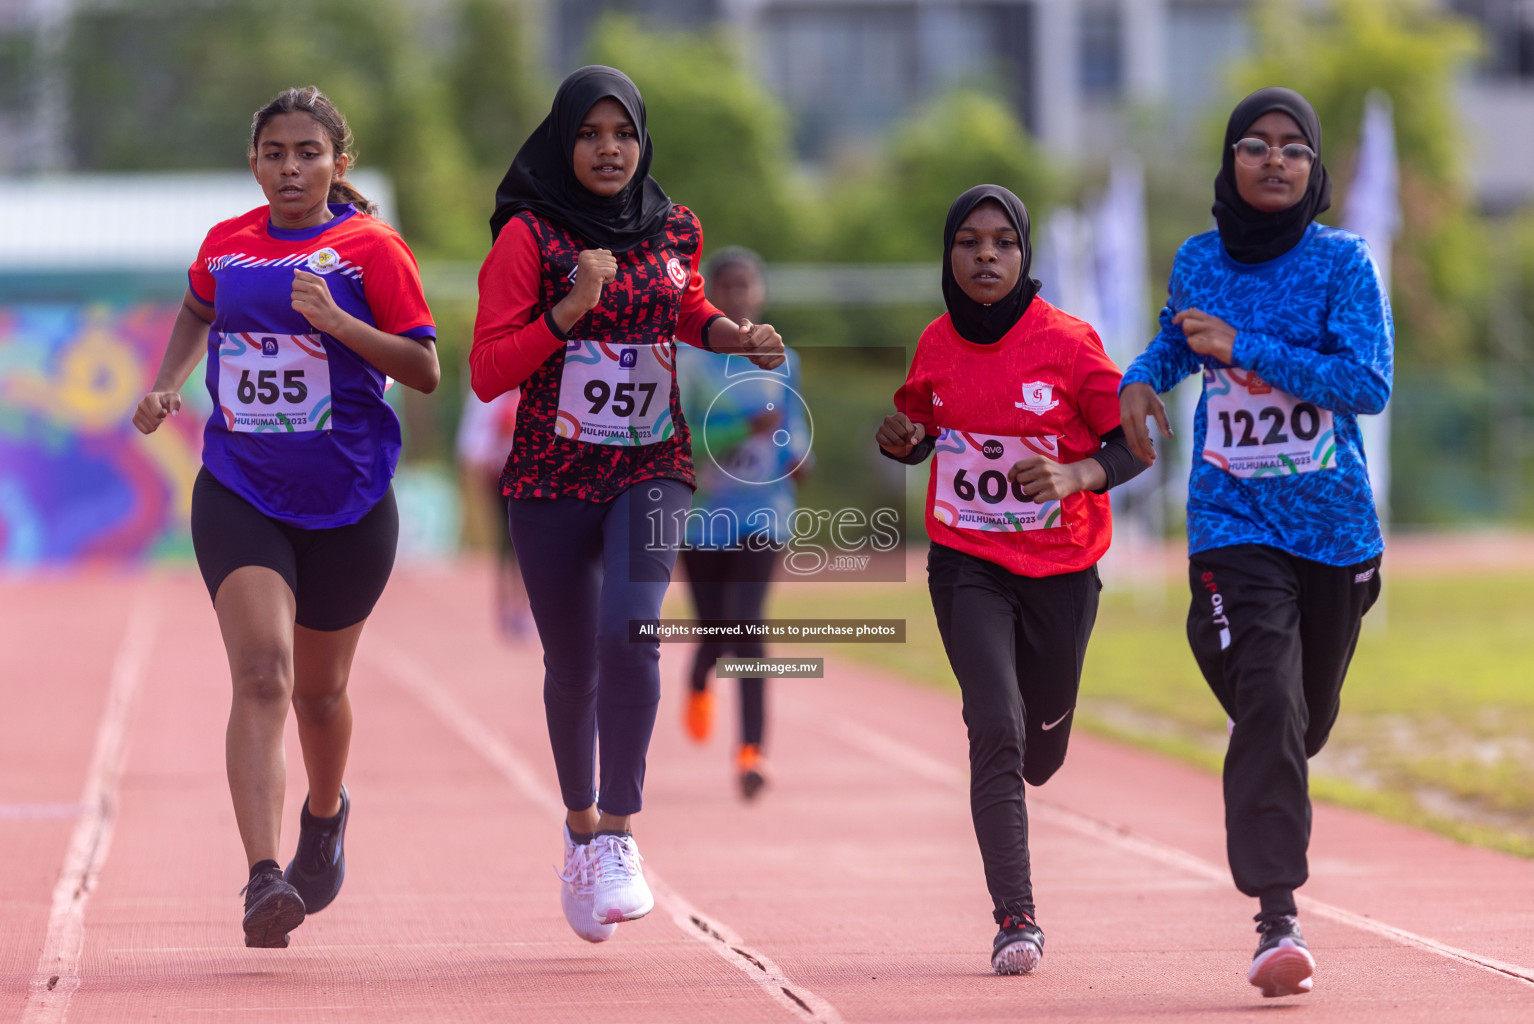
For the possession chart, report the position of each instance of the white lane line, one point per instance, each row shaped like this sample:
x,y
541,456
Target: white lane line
x,y
58,966
418,680
918,762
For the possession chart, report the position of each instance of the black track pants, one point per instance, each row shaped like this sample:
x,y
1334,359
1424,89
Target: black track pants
x,y
1016,644
1273,635
730,583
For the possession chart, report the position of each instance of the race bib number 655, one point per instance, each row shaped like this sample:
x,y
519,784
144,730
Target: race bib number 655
x,y
1253,429
273,383
973,492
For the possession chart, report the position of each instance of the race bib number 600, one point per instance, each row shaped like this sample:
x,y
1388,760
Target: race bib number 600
x,y
973,492
615,394
1253,429
273,383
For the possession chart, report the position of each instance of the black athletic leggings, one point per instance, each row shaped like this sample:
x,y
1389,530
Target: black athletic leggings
x,y
589,568
1016,644
1273,635
732,584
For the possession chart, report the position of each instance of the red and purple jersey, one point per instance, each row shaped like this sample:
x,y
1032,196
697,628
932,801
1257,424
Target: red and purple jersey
x,y
300,428
1046,388
600,410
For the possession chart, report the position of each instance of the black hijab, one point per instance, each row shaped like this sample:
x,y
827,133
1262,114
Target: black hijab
x,y
1249,235
975,321
542,177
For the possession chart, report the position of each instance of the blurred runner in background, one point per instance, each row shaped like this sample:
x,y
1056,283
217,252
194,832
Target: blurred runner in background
x,y
485,431
750,438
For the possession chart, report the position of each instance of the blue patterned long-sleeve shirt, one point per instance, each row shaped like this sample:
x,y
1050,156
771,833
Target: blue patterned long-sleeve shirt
x,y
1277,457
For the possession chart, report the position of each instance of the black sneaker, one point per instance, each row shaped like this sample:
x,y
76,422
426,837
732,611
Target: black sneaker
x,y
1282,965
1019,946
319,865
272,909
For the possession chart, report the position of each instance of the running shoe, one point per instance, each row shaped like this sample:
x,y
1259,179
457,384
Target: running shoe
x,y
272,909
620,893
752,769
1018,947
577,893
698,718
319,865
1282,965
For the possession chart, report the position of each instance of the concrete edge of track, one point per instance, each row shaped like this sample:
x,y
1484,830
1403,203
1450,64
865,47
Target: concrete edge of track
x,y
419,681
58,965
902,755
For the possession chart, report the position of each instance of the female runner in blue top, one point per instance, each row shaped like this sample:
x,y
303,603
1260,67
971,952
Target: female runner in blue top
x,y
1289,325
311,301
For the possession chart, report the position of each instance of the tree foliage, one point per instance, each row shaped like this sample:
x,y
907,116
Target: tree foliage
x,y
172,86
721,139
1335,54
893,207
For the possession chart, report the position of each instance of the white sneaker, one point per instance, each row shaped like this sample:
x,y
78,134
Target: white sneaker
x,y
576,894
621,891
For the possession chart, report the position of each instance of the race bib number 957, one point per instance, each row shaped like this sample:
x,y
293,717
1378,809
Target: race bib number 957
x,y
973,492
615,394
273,383
1253,429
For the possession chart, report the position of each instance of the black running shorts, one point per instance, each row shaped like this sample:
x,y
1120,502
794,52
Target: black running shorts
x,y
336,575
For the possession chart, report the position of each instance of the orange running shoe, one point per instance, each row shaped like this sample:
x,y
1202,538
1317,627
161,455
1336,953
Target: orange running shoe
x,y
698,718
752,769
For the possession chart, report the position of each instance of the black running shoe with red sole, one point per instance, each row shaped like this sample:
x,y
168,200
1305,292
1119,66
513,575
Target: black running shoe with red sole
x,y
1018,947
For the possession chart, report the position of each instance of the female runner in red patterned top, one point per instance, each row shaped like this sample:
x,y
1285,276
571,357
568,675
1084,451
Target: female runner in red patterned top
x,y
592,280
1018,401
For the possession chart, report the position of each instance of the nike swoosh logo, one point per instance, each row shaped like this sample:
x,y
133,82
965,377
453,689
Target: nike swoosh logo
x,y
1050,725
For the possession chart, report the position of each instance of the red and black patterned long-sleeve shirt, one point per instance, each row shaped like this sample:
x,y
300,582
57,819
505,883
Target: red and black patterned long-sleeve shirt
x,y
600,410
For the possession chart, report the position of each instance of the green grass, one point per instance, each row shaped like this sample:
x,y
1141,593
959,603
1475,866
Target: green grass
x,y
1437,724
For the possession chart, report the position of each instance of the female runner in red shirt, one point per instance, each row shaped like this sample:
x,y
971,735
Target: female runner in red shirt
x,y
1019,402
592,279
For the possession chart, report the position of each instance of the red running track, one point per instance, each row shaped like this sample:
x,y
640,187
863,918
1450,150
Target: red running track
x,y
852,891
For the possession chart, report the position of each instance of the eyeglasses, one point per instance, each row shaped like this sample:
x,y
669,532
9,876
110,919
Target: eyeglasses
x,y
1255,152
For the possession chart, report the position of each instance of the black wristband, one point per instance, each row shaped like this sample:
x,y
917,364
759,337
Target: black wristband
x,y
706,325
548,318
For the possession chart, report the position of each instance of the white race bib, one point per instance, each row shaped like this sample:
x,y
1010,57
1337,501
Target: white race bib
x,y
1253,429
273,383
615,394
972,489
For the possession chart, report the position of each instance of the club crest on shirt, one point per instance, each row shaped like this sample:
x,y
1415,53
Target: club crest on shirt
x,y
324,261
677,273
1038,397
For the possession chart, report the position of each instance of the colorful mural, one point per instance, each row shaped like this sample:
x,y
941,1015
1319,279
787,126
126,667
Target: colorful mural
x,y
77,481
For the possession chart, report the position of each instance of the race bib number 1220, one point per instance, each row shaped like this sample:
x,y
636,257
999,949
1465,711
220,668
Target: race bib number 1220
x,y
273,383
1253,429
